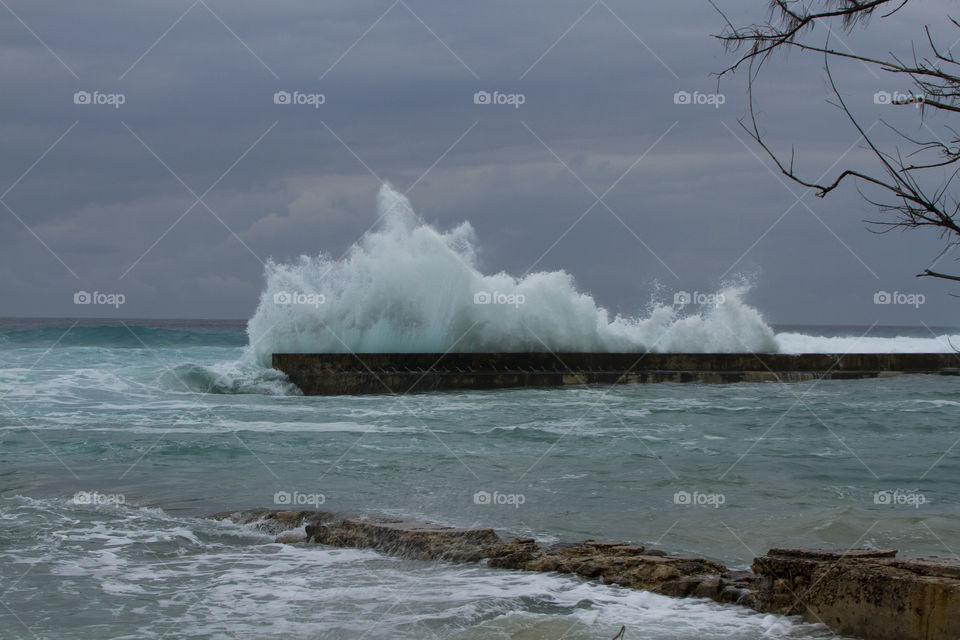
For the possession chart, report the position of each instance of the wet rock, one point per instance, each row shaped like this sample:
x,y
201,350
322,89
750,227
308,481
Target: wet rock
x,y
412,539
930,566
621,563
863,592
744,576
831,554
682,587
600,544
514,555
612,562
557,547
709,588
588,569
733,594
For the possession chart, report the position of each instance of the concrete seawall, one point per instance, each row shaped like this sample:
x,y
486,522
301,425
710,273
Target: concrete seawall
x,y
338,373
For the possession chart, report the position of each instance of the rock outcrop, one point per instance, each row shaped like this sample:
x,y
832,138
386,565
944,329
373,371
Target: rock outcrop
x,y
869,593
419,540
617,563
864,592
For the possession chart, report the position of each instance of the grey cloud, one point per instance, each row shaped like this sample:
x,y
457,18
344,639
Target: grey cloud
x,y
398,100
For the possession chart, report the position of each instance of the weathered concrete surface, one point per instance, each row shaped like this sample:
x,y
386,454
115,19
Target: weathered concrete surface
x,y
335,373
867,593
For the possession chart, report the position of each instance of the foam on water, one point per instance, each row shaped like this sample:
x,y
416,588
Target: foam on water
x,y
162,575
407,287
240,376
789,342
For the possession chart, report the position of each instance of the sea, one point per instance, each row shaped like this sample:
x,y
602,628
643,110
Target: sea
x,y
119,436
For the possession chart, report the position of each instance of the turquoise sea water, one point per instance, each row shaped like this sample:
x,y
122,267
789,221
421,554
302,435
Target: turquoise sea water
x,y
114,440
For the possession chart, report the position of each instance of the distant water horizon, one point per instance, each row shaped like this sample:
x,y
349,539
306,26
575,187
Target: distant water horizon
x,y
240,324
119,321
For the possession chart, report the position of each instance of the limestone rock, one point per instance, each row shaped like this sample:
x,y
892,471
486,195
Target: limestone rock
x,y
868,593
863,592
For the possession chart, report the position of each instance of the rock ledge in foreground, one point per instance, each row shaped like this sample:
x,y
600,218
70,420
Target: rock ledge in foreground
x,y
869,593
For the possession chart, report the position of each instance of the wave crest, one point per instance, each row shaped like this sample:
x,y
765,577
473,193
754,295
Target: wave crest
x,y
407,287
228,378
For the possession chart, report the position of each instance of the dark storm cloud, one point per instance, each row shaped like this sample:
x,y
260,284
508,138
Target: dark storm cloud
x,y
599,79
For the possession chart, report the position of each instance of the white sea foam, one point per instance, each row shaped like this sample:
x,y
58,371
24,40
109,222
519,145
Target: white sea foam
x,y
789,342
407,287
222,579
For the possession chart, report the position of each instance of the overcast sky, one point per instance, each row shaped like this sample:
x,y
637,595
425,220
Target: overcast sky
x,y
176,196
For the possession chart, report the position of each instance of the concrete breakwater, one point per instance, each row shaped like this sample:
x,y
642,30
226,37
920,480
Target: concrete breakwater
x,y
338,373
867,593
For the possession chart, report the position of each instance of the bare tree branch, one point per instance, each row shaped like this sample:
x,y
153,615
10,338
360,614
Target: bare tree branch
x,y
904,186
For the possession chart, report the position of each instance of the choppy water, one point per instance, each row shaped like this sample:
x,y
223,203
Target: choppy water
x,y
124,411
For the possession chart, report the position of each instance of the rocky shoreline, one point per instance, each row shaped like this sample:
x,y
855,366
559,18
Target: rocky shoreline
x,y
868,593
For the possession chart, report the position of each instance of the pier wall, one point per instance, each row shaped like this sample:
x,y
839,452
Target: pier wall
x,y
337,373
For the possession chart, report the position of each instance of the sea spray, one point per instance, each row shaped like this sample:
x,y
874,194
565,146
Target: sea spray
x,y
407,287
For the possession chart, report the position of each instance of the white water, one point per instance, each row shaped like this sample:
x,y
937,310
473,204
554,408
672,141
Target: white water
x,y
802,343
407,287
158,575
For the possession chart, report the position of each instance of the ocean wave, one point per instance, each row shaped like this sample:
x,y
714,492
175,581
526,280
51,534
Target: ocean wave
x,y
407,287
227,378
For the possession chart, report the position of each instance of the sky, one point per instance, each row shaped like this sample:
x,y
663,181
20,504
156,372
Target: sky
x,y
165,151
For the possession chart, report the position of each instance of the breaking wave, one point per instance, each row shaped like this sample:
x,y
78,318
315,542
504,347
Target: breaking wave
x,y
408,287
